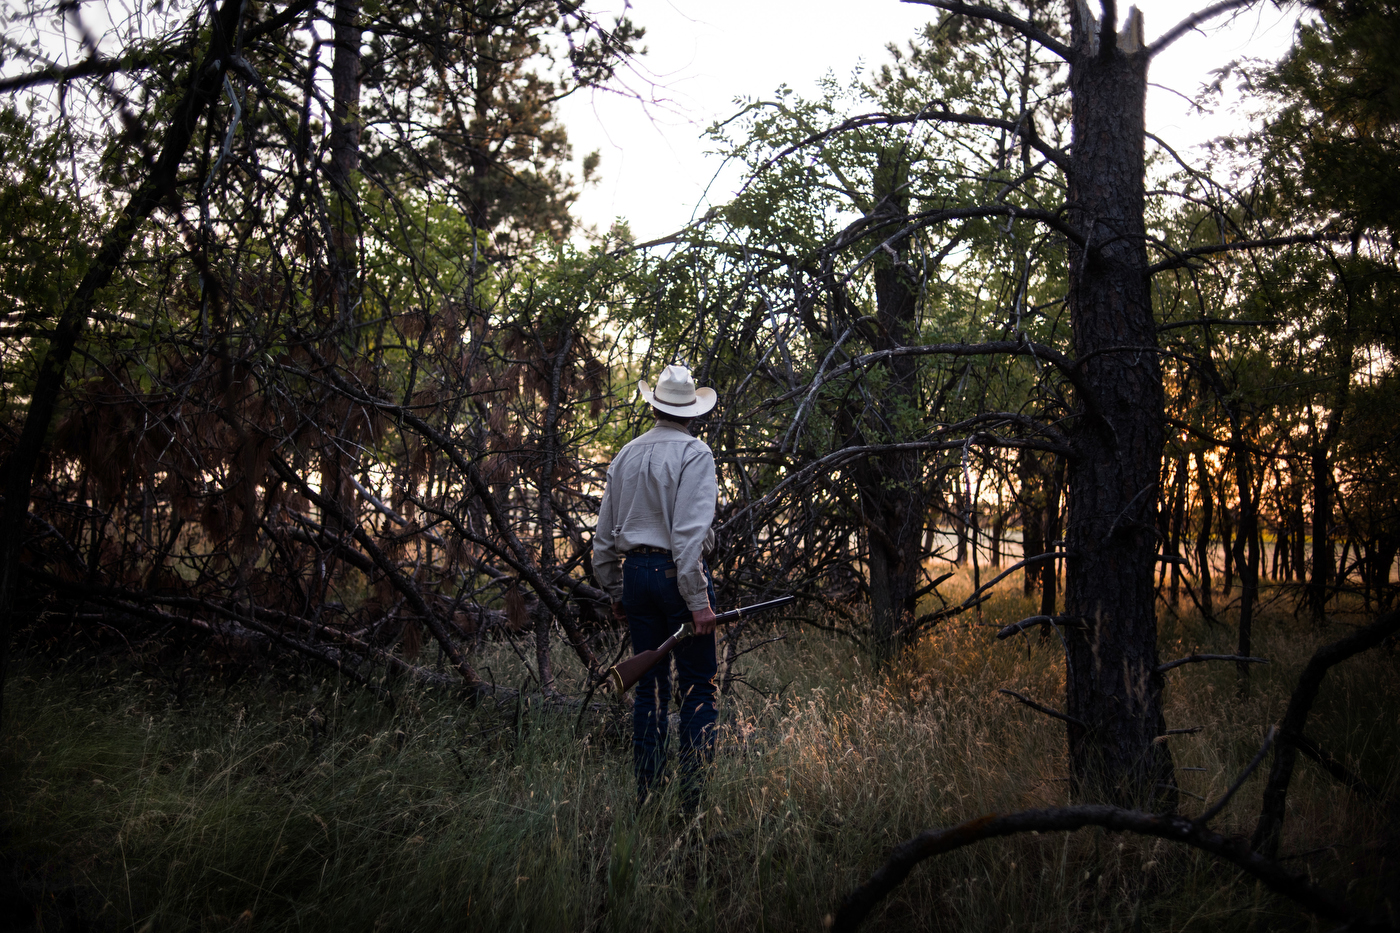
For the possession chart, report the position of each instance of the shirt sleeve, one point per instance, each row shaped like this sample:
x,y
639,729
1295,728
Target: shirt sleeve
x,y
692,515
607,562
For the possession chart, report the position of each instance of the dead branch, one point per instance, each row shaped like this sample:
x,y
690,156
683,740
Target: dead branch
x,y
1043,709
1192,21
399,581
1001,18
1213,811
1184,257
1329,763
522,560
1016,628
1197,658
859,903
1269,830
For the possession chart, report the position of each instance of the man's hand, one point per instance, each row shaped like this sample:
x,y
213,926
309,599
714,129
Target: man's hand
x,y
703,620
618,613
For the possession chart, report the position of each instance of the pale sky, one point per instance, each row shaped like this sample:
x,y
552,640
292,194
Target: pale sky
x,y
702,54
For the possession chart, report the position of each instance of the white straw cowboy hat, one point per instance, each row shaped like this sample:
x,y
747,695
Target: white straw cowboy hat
x,y
676,394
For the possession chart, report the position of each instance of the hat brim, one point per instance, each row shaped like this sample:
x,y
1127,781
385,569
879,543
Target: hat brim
x,y
705,399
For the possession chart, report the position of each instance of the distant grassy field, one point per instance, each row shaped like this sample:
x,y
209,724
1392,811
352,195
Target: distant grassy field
x,y
135,801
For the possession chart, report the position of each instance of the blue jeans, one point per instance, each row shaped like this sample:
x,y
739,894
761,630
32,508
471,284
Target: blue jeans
x,y
655,610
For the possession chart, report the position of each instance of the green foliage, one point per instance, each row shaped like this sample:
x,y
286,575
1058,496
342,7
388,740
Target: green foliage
x,y
472,118
1337,137
44,245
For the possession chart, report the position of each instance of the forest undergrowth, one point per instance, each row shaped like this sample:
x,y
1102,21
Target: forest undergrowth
x,y
139,799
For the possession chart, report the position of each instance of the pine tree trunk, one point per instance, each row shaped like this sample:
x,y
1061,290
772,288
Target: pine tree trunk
x,y
1300,527
1032,517
345,156
1321,540
891,486
1178,520
1049,571
1246,553
1112,684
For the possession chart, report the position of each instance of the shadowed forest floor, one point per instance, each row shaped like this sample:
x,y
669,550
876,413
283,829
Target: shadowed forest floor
x,y
174,796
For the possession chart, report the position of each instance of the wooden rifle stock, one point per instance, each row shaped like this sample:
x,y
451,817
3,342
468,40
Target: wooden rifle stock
x,y
623,676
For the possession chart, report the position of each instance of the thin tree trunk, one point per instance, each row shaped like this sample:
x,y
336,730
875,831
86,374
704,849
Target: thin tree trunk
x,y
1178,519
1246,553
1227,543
1203,540
1321,539
891,486
1300,531
1032,517
1049,571
345,157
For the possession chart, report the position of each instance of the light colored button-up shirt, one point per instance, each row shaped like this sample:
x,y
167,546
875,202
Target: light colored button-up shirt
x,y
660,492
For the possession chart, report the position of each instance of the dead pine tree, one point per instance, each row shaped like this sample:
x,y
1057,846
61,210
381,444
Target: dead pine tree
x,y
1113,711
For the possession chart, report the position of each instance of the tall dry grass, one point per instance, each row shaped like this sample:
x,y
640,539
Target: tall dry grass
x,y
257,807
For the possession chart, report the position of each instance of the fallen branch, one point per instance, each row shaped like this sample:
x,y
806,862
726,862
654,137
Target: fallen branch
x,y
1269,829
1170,732
1017,628
1329,763
1197,658
859,903
1213,811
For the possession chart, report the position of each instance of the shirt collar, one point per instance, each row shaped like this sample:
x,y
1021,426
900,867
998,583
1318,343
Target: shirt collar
x,y
672,426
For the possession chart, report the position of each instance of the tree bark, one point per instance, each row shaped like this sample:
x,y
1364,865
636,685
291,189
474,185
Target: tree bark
x,y
1246,550
1117,436
1203,540
891,486
1322,555
338,463
345,156
1298,559
1178,521
1050,570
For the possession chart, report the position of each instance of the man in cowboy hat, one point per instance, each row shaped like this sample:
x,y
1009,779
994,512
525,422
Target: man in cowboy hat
x,y
653,528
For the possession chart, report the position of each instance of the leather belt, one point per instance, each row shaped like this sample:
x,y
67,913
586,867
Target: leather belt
x,y
648,549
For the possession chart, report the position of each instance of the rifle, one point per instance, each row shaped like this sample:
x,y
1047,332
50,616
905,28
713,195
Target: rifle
x,y
623,676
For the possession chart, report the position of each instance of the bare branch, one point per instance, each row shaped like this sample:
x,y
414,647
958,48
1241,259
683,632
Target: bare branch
x,y
1016,628
1212,812
848,454
859,903
523,561
1001,18
1329,763
1194,20
1270,826
1061,362
92,66
1223,322
1039,708
399,581
1033,139
1019,565
1184,257
1197,658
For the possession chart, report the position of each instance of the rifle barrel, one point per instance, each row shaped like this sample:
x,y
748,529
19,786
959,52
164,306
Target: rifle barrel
x,y
742,611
